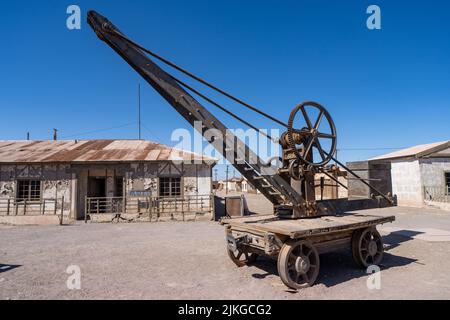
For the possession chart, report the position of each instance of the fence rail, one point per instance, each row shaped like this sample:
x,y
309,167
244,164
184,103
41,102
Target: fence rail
x,y
27,207
153,207
437,194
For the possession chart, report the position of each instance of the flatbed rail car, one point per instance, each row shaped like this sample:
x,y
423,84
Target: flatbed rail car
x,y
297,243
308,147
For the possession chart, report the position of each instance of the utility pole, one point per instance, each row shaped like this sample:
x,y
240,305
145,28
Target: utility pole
x,y
336,176
139,109
226,180
55,134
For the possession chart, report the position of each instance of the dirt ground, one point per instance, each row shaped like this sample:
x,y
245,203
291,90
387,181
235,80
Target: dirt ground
x,y
176,260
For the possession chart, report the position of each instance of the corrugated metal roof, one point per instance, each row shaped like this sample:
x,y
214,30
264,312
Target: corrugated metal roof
x,y
416,151
91,151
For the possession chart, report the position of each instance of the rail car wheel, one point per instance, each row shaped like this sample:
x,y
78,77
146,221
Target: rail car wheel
x,y
298,264
242,258
367,247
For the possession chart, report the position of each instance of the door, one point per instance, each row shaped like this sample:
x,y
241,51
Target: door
x,y
97,193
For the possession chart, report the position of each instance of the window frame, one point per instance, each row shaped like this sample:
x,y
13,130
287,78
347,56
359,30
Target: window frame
x,y
447,182
119,180
171,196
29,198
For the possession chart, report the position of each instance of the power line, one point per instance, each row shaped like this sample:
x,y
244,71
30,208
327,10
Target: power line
x,y
139,109
188,87
226,180
189,74
151,132
98,130
368,149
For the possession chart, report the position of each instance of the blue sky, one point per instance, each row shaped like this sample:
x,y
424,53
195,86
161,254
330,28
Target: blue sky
x,y
385,88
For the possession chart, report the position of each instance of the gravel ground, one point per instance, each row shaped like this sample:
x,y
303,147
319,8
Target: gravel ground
x,y
176,260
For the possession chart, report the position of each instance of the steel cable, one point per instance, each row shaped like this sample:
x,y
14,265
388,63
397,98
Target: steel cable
x,y
189,74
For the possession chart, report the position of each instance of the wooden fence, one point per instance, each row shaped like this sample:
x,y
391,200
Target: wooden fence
x,y
151,207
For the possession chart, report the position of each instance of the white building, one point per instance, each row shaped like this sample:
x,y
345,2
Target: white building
x,y
237,184
421,174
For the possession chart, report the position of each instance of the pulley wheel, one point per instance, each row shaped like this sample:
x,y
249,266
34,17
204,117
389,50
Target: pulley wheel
x,y
295,170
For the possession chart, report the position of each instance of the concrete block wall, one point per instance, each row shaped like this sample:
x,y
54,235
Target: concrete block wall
x,y
433,171
407,182
409,177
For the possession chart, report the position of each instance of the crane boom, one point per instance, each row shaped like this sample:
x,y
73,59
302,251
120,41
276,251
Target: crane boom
x,y
272,185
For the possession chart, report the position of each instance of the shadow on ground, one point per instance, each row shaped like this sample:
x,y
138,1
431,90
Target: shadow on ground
x,y
8,267
338,267
394,239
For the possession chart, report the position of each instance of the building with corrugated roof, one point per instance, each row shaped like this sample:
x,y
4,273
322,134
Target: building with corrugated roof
x,y
418,176
421,174
85,177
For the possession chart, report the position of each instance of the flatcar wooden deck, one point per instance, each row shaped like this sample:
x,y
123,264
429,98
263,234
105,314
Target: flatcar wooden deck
x,y
299,228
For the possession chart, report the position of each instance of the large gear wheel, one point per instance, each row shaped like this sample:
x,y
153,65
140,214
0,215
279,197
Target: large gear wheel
x,y
302,141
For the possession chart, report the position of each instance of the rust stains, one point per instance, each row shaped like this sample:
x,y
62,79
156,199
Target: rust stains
x,y
91,151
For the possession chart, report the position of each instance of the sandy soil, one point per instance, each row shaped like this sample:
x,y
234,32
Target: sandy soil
x,y
176,260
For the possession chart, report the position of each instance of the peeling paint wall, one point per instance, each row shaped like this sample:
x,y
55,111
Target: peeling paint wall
x,y
70,182
433,172
56,183
196,178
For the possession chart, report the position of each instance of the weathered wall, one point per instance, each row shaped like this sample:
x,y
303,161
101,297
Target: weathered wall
x,y
142,177
410,177
196,179
440,205
342,192
56,183
407,182
37,220
378,171
433,171
71,182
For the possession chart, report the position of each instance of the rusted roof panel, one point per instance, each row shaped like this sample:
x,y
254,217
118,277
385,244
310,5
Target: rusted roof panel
x,y
153,155
91,151
416,151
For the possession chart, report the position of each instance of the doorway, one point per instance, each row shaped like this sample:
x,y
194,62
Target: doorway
x,y
97,194
96,187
